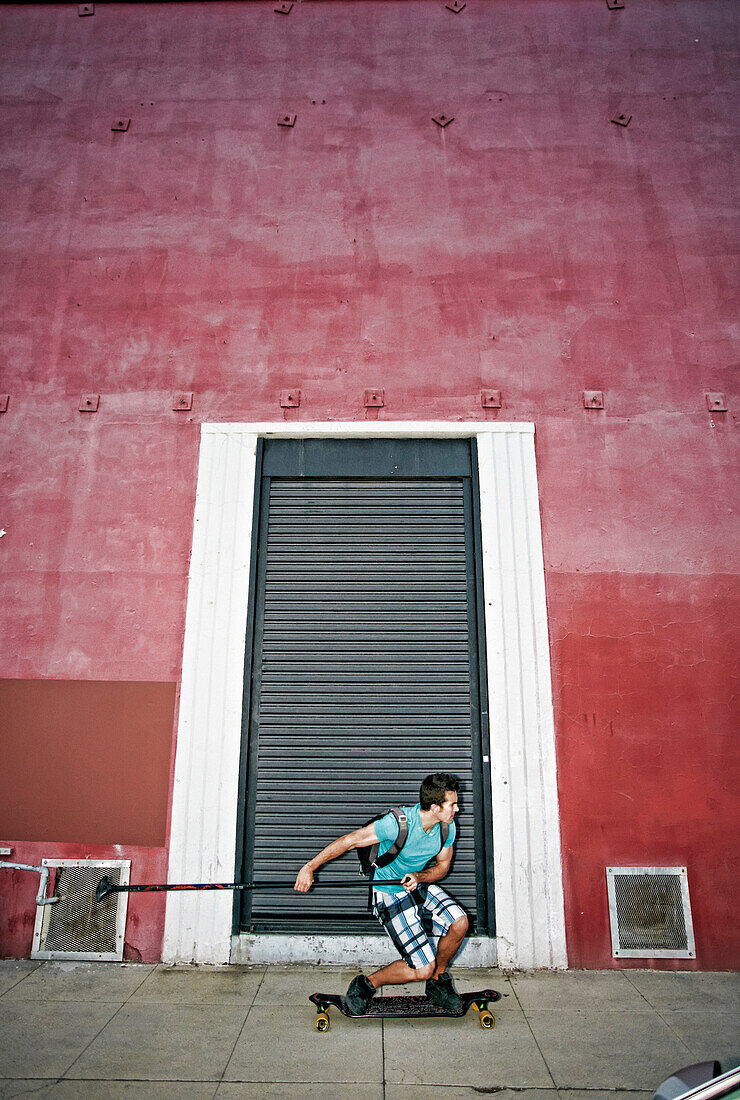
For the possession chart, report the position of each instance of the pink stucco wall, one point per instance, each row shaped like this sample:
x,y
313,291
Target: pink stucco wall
x,y
531,246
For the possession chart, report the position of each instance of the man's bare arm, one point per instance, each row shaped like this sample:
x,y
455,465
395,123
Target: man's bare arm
x,y
360,838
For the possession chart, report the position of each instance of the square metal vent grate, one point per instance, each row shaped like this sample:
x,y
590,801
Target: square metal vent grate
x,y
650,913
77,926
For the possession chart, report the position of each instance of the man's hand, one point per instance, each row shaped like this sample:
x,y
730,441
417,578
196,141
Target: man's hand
x,y
410,882
304,882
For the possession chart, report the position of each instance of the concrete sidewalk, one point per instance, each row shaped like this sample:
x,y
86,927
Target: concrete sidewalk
x,y
89,1030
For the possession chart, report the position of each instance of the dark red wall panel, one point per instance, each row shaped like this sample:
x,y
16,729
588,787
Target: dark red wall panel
x,y
647,735
85,761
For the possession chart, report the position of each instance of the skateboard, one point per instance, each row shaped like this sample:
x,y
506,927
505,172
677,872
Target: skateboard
x,y
405,1006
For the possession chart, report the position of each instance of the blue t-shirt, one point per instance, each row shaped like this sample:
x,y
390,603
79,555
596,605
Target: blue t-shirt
x,y
419,848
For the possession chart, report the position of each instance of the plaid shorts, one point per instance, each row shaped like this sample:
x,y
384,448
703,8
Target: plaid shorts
x,y
411,919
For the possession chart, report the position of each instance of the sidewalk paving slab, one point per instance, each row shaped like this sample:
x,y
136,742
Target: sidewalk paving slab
x,y
280,1044
594,989
80,981
163,1042
607,1049
717,991
611,1094
464,1092
318,1091
199,985
291,987
446,1052
39,1040
708,1035
106,1090
13,971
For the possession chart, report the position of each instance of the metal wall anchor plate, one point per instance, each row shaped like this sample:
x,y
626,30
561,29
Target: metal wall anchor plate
x,y
287,120
89,402
182,402
4,399
456,6
374,399
716,402
622,119
290,399
283,9
490,399
593,399
86,9
615,5
121,125
443,120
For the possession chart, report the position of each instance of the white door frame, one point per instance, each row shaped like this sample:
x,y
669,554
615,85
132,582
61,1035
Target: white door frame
x,y
530,923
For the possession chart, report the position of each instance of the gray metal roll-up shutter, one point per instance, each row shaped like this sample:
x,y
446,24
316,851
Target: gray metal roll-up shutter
x,y
361,681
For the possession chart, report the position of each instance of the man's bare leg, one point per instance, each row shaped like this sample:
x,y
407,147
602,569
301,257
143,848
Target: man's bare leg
x,y
449,945
398,973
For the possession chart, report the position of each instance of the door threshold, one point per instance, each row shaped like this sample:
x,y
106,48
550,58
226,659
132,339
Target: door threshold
x,y
353,951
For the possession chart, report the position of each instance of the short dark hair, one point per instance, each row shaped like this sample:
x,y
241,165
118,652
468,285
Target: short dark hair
x,y
434,788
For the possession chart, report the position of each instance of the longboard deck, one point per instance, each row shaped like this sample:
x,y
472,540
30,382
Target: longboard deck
x,y
406,1006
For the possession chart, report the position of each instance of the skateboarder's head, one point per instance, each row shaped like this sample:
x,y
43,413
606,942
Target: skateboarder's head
x,y
440,789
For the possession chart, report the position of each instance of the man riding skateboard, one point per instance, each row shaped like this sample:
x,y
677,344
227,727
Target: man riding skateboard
x,y
412,912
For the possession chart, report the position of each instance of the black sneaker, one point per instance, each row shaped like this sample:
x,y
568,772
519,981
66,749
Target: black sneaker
x,y
359,995
441,991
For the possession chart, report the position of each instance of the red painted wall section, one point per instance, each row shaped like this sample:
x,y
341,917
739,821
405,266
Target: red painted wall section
x,y
647,735
531,246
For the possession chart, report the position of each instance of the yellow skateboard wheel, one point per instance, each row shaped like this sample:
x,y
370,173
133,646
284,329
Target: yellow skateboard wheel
x,y
486,1019
322,1021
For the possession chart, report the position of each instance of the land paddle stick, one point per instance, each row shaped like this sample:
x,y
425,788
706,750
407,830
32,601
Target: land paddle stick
x,y
106,886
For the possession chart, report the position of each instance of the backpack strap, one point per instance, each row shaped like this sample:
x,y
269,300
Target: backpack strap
x,y
390,855
396,846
